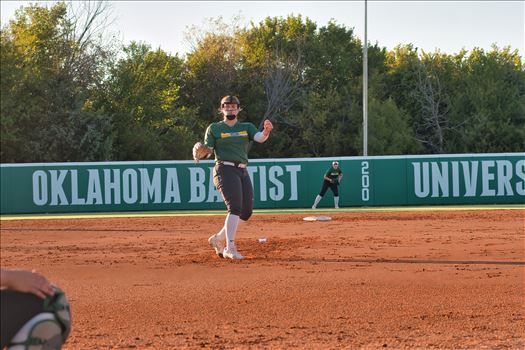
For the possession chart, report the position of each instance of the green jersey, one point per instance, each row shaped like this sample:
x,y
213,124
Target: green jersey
x,y
333,173
230,143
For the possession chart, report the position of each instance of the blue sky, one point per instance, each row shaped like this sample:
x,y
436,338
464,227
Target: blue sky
x,y
429,25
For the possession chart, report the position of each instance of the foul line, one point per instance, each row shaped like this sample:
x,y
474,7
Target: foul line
x,y
98,215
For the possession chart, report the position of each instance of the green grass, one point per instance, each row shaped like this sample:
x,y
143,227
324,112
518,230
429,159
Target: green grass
x,y
259,211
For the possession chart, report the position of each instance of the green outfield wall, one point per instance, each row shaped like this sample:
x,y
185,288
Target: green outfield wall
x,y
278,183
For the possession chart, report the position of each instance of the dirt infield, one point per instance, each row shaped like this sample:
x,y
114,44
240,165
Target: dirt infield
x,y
447,280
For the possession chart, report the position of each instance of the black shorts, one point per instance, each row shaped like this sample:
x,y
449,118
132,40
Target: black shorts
x,y
17,309
236,189
332,186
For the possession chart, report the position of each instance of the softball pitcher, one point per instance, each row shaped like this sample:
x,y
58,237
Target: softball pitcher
x,y
229,140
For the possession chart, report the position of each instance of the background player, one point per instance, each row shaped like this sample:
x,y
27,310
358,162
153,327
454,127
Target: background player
x,y
332,178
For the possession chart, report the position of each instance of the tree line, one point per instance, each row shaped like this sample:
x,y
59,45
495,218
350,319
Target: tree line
x,y
70,93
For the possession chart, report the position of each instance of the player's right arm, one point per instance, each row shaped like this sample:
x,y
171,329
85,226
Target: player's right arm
x,y
327,175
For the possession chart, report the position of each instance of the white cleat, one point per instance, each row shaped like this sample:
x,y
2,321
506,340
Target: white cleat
x,y
336,207
216,244
314,207
232,254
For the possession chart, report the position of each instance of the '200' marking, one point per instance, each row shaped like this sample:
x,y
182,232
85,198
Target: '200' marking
x,y
365,181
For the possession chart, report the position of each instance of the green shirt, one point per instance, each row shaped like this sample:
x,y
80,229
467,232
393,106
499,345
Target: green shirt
x,y
230,143
333,173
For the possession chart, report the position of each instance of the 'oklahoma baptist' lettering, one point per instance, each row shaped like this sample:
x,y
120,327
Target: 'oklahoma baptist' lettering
x,y
146,186
115,185
495,177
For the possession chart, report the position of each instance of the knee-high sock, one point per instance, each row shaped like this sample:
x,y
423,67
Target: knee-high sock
x,y
336,201
221,235
317,200
231,229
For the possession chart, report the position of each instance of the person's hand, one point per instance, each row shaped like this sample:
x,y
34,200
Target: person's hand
x,y
200,151
27,282
268,127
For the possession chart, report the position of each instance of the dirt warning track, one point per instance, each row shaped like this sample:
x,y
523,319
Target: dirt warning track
x,y
443,279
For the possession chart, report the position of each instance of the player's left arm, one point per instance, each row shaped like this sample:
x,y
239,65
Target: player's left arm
x,y
263,135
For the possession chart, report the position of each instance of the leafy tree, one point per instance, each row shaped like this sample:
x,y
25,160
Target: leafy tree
x,y
462,102
324,68
65,96
142,96
47,74
491,101
324,124
212,69
389,130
